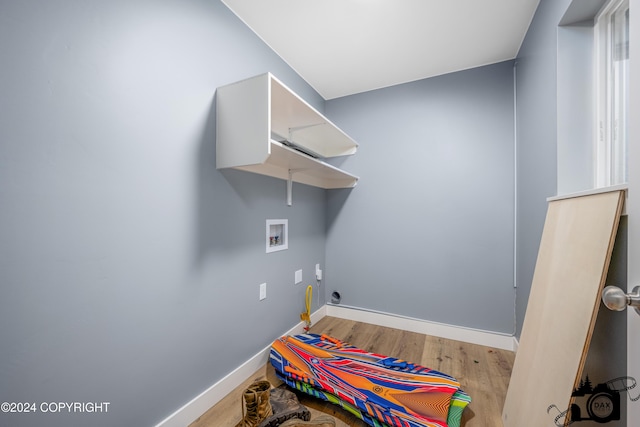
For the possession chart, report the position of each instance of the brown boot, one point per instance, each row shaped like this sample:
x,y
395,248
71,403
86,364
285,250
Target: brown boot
x,y
256,399
321,421
285,405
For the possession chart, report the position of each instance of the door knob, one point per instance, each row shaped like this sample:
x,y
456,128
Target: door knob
x,y
615,299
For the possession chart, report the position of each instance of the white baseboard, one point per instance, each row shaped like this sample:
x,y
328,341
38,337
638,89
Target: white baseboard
x,y
214,394
208,398
458,333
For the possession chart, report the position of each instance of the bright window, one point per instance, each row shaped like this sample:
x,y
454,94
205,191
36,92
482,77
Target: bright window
x,y
612,75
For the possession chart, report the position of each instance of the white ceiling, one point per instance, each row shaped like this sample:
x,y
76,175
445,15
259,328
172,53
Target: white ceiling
x,y
342,47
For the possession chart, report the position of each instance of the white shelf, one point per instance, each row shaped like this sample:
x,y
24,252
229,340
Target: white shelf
x,y
305,169
252,112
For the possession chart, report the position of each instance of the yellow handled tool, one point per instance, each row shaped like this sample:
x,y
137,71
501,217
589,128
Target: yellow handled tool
x,y
306,316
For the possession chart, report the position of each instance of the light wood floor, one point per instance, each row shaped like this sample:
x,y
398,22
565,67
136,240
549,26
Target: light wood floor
x,y
483,372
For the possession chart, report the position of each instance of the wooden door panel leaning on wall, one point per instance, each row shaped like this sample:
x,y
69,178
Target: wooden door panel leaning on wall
x,y
573,259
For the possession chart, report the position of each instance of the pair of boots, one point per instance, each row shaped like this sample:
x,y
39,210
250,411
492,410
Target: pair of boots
x,y
267,407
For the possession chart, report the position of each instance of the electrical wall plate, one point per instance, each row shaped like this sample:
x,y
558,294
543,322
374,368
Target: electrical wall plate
x,y
277,235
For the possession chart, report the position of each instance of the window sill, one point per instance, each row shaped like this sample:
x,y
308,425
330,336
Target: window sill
x,y
624,187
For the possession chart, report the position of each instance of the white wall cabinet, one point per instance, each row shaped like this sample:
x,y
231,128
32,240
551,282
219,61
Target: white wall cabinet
x,y
265,128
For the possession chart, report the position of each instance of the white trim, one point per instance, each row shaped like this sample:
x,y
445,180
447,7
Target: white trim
x,y
601,148
458,333
214,394
515,176
605,171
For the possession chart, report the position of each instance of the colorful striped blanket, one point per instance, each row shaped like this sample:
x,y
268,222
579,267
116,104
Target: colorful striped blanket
x,y
380,390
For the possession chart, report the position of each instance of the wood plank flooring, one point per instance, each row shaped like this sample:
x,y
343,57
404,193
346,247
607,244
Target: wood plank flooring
x,y
483,372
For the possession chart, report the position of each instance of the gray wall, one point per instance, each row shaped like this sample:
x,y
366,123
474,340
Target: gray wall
x,y
576,93
428,231
130,266
536,112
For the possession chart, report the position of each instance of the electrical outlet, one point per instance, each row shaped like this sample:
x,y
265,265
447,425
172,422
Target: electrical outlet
x,y
263,291
318,272
298,276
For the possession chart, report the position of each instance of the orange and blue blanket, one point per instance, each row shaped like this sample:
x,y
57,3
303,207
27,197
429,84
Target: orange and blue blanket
x,y
380,390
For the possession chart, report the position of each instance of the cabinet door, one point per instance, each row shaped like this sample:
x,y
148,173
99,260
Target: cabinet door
x,y
243,131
